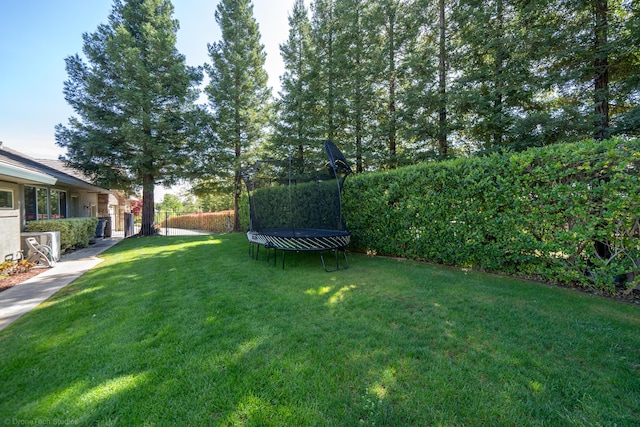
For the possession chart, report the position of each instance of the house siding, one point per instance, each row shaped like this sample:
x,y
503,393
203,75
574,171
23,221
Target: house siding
x,y
9,223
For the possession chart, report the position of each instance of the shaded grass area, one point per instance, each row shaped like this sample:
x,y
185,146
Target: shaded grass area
x,y
191,331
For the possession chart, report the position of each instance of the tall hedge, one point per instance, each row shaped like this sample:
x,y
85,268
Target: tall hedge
x,y
565,213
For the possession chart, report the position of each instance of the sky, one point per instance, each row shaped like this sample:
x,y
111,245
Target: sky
x,y
37,35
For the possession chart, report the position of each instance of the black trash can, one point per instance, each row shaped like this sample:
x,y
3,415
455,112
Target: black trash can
x,y
107,226
100,228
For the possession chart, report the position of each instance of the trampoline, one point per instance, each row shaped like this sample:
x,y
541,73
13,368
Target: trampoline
x,y
295,205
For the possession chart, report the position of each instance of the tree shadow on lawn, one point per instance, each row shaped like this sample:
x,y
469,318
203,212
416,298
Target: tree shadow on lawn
x,y
195,331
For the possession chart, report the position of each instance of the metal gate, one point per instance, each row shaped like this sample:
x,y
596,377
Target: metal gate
x,y
172,223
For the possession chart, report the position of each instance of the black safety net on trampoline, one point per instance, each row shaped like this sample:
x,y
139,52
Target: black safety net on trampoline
x,y
295,204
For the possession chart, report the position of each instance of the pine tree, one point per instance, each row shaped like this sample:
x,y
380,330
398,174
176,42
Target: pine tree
x,y
419,72
393,34
295,132
626,111
134,103
325,80
355,77
589,52
493,93
238,92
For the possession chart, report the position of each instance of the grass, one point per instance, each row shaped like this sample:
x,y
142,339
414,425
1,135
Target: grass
x,y
191,331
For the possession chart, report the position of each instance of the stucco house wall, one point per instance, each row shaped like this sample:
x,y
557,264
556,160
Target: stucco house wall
x,y
21,174
9,222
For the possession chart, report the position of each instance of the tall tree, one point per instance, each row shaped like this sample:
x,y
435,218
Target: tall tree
x,y
588,60
133,102
325,87
627,68
419,69
443,146
394,32
238,93
295,131
355,75
493,92
601,68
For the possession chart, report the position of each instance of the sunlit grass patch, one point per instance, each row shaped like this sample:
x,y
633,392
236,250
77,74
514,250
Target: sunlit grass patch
x,y
192,331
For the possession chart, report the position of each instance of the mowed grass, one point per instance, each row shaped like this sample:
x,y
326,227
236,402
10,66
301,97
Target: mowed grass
x,y
192,331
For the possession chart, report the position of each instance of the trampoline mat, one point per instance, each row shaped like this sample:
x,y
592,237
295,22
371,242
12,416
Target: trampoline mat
x,y
300,239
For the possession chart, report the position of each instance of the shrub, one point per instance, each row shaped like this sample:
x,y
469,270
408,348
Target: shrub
x,y
565,213
74,232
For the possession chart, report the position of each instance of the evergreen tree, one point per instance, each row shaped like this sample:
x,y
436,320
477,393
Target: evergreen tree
x,y
324,68
443,145
493,92
422,100
355,76
238,92
589,50
627,108
295,133
134,103
394,33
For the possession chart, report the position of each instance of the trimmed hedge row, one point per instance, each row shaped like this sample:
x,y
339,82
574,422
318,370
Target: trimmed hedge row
x,y
566,213
74,232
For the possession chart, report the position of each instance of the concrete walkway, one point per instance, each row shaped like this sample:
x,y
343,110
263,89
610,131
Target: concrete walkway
x,y
22,298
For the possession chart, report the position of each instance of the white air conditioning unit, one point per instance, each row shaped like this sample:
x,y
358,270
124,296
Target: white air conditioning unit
x,y
48,238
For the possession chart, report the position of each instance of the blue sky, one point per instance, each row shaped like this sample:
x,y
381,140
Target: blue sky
x,y
37,35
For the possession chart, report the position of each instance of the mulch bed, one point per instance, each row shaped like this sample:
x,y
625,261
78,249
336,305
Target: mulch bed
x,y
7,282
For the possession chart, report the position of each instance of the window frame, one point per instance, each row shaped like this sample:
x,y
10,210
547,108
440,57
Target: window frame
x,y
11,198
34,199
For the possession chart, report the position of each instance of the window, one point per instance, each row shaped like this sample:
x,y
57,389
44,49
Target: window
x,y
30,203
6,199
63,204
58,204
41,197
40,203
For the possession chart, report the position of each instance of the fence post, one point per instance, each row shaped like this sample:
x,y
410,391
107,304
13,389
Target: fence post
x,y
166,223
228,223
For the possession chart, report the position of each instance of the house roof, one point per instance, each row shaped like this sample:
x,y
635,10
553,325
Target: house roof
x,y
51,172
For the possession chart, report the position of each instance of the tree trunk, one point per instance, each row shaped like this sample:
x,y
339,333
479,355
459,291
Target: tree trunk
x,y
148,206
443,148
601,65
237,191
392,89
498,128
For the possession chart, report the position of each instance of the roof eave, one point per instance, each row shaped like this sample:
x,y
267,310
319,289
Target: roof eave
x,y
26,175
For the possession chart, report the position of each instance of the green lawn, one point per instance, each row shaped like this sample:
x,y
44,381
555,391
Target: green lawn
x,y
192,331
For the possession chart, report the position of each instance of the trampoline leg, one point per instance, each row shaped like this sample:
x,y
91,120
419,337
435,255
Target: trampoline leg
x,y
344,251
283,260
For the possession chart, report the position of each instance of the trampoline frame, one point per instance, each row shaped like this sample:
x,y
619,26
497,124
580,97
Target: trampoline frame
x,y
305,239
299,240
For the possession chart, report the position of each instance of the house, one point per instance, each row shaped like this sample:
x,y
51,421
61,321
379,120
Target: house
x,y
32,190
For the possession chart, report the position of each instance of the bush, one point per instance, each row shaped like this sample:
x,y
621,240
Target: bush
x,y
74,232
565,213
